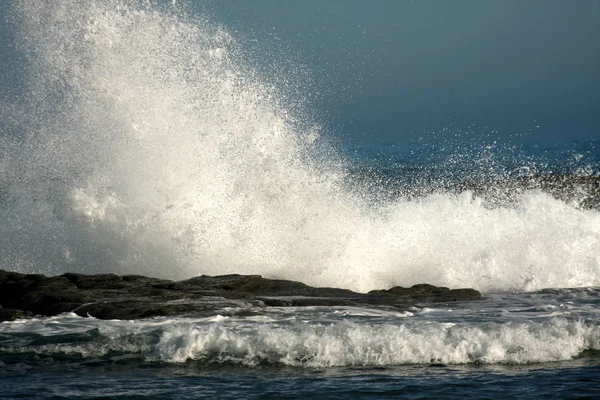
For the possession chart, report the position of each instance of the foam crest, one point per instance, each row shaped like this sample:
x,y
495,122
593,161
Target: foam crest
x,y
146,144
350,344
302,344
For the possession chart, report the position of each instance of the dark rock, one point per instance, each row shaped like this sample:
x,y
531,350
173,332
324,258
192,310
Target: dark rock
x,y
302,301
9,314
110,296
459,295
582,191
101,281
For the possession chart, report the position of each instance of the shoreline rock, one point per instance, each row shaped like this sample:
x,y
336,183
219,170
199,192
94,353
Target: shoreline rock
x,y
110,296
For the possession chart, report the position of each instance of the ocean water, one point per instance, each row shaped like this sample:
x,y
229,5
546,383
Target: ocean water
x,y
143,140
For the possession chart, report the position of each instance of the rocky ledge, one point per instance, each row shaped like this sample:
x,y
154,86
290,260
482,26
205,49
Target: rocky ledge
x,y
110,296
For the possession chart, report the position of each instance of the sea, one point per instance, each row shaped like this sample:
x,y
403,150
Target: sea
x,y
142,139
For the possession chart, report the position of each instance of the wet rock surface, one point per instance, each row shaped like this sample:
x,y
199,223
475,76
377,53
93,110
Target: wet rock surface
x,y
109,296
582,191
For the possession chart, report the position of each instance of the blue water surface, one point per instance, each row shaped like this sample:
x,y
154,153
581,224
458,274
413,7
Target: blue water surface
x,y
574,379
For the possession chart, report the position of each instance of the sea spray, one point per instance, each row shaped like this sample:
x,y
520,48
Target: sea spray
x,y
144,143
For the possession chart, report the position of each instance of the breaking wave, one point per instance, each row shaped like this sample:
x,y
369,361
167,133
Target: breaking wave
x,y
302,344
145,142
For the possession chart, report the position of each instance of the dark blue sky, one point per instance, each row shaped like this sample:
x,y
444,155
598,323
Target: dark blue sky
x,y
393,69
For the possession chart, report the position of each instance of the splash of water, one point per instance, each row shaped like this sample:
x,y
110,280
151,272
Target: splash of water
x,y
146,145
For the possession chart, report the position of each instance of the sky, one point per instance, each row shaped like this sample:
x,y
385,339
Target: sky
x,y
392,69
395,70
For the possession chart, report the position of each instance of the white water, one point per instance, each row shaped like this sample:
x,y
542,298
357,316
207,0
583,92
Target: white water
x,y
257,340
145,144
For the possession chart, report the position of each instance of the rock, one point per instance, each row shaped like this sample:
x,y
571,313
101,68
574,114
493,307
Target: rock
x,y
582,191
9,314
427,293
110,296
100,281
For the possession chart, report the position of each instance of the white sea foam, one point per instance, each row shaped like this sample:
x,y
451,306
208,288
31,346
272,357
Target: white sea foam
x,y
309,344
145,144
350,344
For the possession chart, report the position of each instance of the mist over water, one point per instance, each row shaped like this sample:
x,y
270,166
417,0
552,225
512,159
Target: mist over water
x,y
146,144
